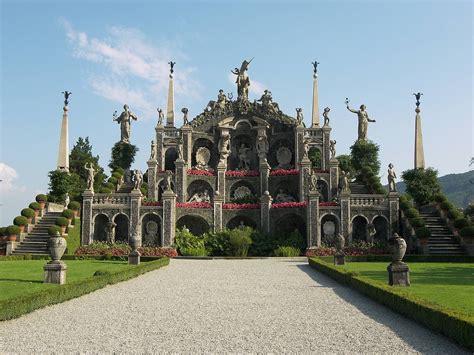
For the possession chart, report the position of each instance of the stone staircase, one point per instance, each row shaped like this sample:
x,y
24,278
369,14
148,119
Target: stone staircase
x,y
36,242
358,188
442,241
126,187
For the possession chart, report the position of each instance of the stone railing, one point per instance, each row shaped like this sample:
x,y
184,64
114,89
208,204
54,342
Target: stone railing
x,y
172,134
313,132
369,200
111,199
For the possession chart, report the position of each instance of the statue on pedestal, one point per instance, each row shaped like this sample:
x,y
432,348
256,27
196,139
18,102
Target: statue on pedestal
x,y
332,148
364,120
137,179
262,147
244,163
267,102
299,116
391,178
224,148
161,117
284,197
153,150
345,181
125,120
167,185
110,232
184,110
243,81
90,176
326,116
201,197
315,69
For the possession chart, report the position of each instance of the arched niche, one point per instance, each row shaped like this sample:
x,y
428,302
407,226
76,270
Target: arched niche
x,y
199,187
239,183
121,228
151,230
381,228
243,139
330,227
273,152
314,154
241,221
286,186
196,224
359,228
289,223
323,189
206,143
171,155
100,227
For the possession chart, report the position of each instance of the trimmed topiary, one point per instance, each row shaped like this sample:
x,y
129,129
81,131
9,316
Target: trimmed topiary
x,y
380,190
446,205
412,213
110,186
41,198
120,171
405,205
112,180
373,180
105,190
20,221
439,198
460,223
74,205
117,175
423,233
12,230
454,213
467,231
62,222
2,231
417,222
69,214
28,212
53,230
35,206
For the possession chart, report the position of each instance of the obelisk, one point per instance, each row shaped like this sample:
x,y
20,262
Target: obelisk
x,y
419,153
170,107
63,154
315,113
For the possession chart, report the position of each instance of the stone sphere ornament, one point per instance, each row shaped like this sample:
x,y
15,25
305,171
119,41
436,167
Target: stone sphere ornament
x,y
57,246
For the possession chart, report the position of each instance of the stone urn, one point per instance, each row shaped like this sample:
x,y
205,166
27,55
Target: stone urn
x,y
398,248
57,246
135,242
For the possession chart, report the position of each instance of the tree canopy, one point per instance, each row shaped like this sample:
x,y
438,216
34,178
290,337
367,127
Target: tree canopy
x,y
422,184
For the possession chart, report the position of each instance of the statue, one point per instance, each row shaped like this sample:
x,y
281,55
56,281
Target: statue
x,y
315,69
167,186
242,155
332,148
299,116
224,148
184,110
90,176
153,150
221,99
339,243
311,180
171,68
418,97
180,150
371,232
267,102
326,116
345,181
66,200
137,179
243,81
363,121
201,197
110,232
283,197
66,97
391,178
262,147
241,225
306,142
125,120
161,117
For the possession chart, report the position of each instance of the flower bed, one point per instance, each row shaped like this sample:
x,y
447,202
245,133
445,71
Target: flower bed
x,y
325,204
289,204
241,173
152,203
283,172
193,205
357,249
240,206
197,172
122,249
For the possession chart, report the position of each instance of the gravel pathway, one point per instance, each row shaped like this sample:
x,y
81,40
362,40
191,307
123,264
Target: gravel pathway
x,y
266,305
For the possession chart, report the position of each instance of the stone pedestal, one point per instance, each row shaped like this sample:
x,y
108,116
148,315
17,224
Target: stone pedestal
x,y
305,169
152,181
55,272
186,132
312,220
181,175
134,258
333,178
169,217
264,174
398,274
325,154
393,201
10,247
339,259
218,202
265,206
86,230
221,168
135,204
345,203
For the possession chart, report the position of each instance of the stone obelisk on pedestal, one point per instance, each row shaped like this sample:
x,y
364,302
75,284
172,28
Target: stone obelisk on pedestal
x,y
315,113
63,154
419,153
170,107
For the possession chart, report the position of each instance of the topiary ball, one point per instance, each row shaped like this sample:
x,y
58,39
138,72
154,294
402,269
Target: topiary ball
x,y
35,206
417,222
446,205
68,214
423,233
20,221
460,223
467,231
453,213
62,221
74,205
41,198
12,230
28,212
411,213
54,230
439,198
405,205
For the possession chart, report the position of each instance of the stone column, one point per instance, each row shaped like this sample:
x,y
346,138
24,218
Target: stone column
x,y
160,130
180,179
152,181
305,169
345,201
299,138
87,231
221,180
325,154
218,202
419,153
333,178
186,131
169,217
393,200
265,206
264,174
312,220
135,204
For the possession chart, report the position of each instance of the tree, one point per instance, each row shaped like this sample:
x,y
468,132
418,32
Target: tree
x,y
314,154
81,154
345,163
61,182
422,184
123,155
365,154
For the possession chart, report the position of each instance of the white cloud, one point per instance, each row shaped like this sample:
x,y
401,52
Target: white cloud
x,y
255,87
8,177
128,69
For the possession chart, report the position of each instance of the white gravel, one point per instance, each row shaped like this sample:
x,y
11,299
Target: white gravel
x,y
266,305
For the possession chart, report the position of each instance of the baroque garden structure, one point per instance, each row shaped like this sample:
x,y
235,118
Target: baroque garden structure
x,y
240,163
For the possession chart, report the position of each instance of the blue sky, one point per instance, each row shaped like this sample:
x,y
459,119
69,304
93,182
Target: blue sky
x,y
108,54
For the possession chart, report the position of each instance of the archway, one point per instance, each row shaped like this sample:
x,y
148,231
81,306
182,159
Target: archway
x,y
151,230
100,227
381,228
171,155
330,227
239,221
121,228
292,229
359,228
196,224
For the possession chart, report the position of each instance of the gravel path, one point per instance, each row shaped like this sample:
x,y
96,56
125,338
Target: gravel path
x,y
266,305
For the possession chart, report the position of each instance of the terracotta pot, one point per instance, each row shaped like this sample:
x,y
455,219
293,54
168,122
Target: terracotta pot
x,y
42,205
12,238
37,213
57,246
22,229
30,220
63,230
76,213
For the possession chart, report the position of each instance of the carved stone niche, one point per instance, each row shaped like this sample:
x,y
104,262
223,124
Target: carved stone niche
x,y
203,156
284,157
200,191
329,231
151,230
241,192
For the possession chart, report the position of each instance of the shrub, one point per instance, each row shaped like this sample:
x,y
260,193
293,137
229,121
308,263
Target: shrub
x,y
412,213
35,206
54,230
405,205
12,230
113,180
460,223
453,213
373,179
365,154
366,170
287,251
380,190
41,198
240,241
28,212
469,210
422,184
185,240
69,214
417,222
74,205
263,244
20,221
116,175
120,171
218,244
294,239
467,231
110,186
402,198
423,233
2,231
123,155
105,190
201,251
439,198
446,205
246,199
62,222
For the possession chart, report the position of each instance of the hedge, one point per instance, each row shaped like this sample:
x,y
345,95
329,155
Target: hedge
x,y
458,327
74,205
417,222
446,205
2,231
467,232
14,308
53,230
113,180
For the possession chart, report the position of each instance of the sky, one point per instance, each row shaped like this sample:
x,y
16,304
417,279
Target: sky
x,y
376,53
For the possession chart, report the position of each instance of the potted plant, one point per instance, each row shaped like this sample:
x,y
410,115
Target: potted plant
x,y
62,222
28,213
12,232
41,199
74,206
53,230
35,206
21,222
69,214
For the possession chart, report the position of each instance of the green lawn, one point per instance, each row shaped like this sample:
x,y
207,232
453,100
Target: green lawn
x,y
26,276
450,285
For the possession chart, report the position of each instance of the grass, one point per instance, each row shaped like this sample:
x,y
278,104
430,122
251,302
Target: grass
x,y
450,285
74,237
26,276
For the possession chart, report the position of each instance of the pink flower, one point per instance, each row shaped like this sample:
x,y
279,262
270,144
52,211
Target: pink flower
x,y
282,172
209,172
240,206
152,203
241,173
193,205
289,204
328,204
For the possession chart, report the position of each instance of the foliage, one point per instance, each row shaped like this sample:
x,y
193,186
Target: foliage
x,y
263,244
417,222
201,251
242,173
217,244
439,198
2,231
314,155
185,240
62,222
12,230
422,184
35,206
193,205
287,251
405,205
69,214
117,175
467,232
355,249
123,155
365,154
240,241
294,239
240,206
74,205
423,233
454,213
121,249
469,210
460,223
20,221
74,238
105,190
54,230
41,198
28,212
345,163
60,183
113,180
201,172
412,213
284,172
246,199
290,204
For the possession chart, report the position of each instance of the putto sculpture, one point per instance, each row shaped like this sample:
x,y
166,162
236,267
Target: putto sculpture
x,y
184,110
332,148
299,116
125,120
326,116
137,179
364,120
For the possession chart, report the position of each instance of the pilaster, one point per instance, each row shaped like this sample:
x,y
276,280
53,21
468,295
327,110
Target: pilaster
x,y
264,175
87,200
180,179
169,218
135,204
305,170
345,202
221,179
159,129
333,178
325,154
265,206
218,202
152,180
312,220
299,143
186,132
393,201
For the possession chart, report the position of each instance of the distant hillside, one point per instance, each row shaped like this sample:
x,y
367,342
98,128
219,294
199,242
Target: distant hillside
x,y
459,188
